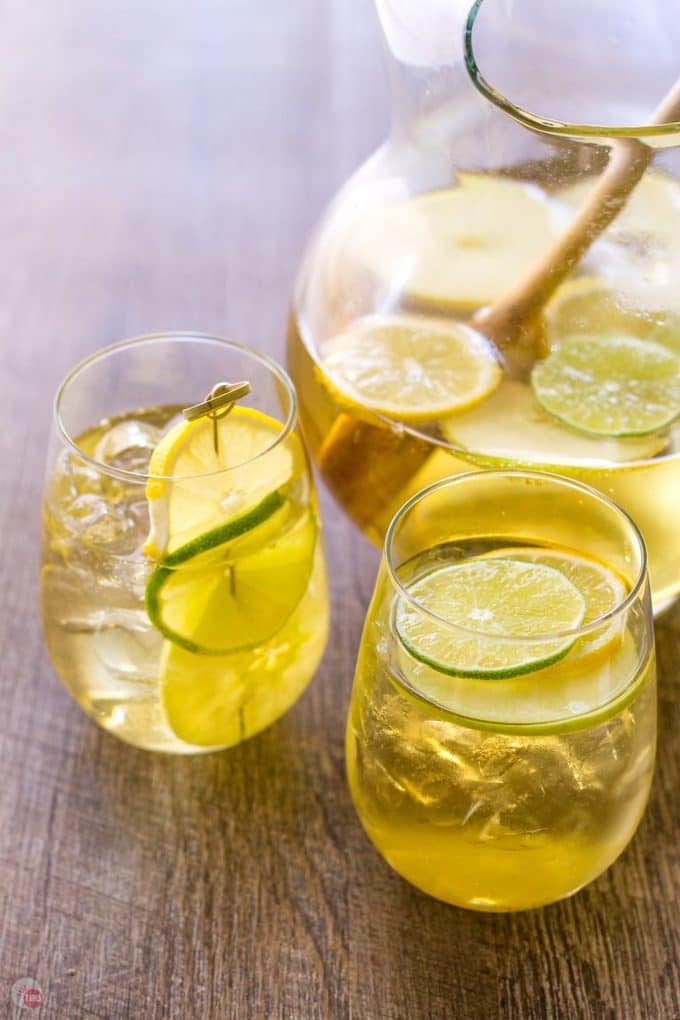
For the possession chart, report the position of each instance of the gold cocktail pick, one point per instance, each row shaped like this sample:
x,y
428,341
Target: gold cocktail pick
x,y
217,404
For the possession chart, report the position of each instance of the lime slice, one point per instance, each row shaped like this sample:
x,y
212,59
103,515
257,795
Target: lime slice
x,y
217,701
587,306
602,589
237,551
183,506
235,547
501,603
455,248
235,586
511,427
410,369
611,386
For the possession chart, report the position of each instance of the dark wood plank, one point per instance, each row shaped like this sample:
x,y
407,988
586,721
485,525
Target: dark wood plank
x,y
162,165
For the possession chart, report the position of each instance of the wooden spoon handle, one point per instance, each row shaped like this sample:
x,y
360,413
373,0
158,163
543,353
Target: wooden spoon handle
x,y
510,323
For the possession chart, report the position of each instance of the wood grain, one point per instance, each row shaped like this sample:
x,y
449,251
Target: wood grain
x,y
162,163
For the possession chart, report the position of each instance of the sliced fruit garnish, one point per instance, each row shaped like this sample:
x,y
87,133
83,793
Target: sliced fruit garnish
x,y
610,386
459,247
587,306
602,589
555,701
409,368
218,701
183,506
234,587
511,426
203,698
493,607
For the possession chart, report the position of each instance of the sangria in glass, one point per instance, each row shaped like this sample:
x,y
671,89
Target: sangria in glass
x,y
183,583
502,727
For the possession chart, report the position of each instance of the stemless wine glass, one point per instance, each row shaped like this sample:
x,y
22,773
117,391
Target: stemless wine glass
x,y
501,734
183,581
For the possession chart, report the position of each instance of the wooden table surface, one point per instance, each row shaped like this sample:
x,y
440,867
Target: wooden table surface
x,y
162,163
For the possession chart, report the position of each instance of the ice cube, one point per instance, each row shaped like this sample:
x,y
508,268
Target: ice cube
x,y
128,445
606,751
84,512
71,478
70,597
125,642
117,530
387,790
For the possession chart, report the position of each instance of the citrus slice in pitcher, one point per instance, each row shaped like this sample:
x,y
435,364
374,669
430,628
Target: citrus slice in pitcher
x,y
512,428
587,306
610,386
408,368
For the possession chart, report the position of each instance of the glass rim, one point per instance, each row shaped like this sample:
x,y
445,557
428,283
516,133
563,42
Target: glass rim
x,y
572,633
179,336
663,132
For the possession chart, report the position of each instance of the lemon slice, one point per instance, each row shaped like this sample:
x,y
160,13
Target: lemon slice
x,y
236,586
236,546
587,306
183,506
202,698
602,589
217,701
501,603
611,386
410,369
553,701
459,247
511,427
238,550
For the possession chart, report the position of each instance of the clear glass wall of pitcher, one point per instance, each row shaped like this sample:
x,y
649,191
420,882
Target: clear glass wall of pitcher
x,y
507,119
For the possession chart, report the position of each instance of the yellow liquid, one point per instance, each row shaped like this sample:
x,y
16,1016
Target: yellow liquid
x,y
100,640
372,466
491,815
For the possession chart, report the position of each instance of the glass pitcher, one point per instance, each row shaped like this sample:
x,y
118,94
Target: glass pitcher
x,y
498,286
